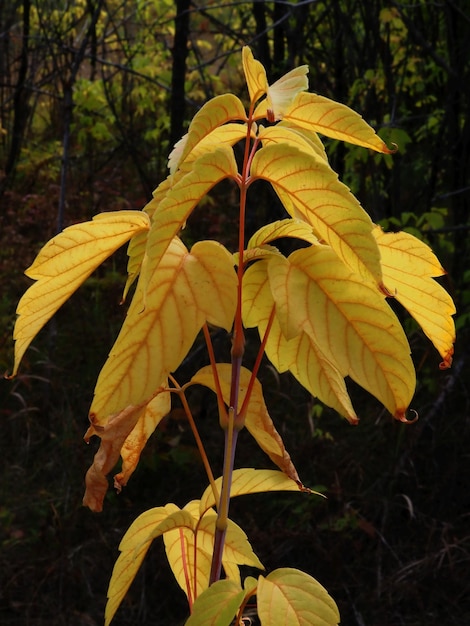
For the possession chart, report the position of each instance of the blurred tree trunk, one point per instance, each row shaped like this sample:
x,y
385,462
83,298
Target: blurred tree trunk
x,y
180,53
20,101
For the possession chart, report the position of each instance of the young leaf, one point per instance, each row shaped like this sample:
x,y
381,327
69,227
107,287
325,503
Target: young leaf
x,y
218,605
163,320
310,190
409,266
333,119
133,548
64,263
249,480
281,93
348,319
301,355
289,596
257,421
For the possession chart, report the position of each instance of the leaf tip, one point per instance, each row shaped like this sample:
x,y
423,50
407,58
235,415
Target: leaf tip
x,y
447,362
400,415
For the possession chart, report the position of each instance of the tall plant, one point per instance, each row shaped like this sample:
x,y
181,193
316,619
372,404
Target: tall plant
x,y
321,312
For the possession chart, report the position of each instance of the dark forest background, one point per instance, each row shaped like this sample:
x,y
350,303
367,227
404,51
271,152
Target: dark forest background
x,y
93,94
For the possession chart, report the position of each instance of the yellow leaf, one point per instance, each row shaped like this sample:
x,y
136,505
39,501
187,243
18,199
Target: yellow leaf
x,y
173,211
283,134
348,319
311,191
255,76
281,94
290,596
218,605
257,420
249,480
133,548
135,442
237,548
296,229
301,355
64,263
213,114
187,290
409,266
226,135
333,119
190,565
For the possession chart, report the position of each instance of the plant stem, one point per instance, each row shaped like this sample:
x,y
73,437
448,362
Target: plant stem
x,y
231,436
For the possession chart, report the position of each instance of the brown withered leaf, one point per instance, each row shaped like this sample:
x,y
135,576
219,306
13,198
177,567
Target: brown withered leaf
x,y
147,422
113,435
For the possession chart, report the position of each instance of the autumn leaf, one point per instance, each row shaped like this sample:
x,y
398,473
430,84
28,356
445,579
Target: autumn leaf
x,y
311,191
218,605
174,209
212,114
237,548
279,95
290,596
257,420
330,118
133,548
286,135
64,263
249,480
409,266
187,290
348,319
135,442
301,354
255,76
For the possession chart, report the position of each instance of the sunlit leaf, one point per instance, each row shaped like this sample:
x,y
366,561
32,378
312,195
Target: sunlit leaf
x,y
190,565
257,420
64,263
311,191
409,266
296,229
173,211
333,119
218,605
214,113
348,319
289,596
301,355
226,135
133,548
281,94
237,548
188,289
249,480
283,134
255,76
